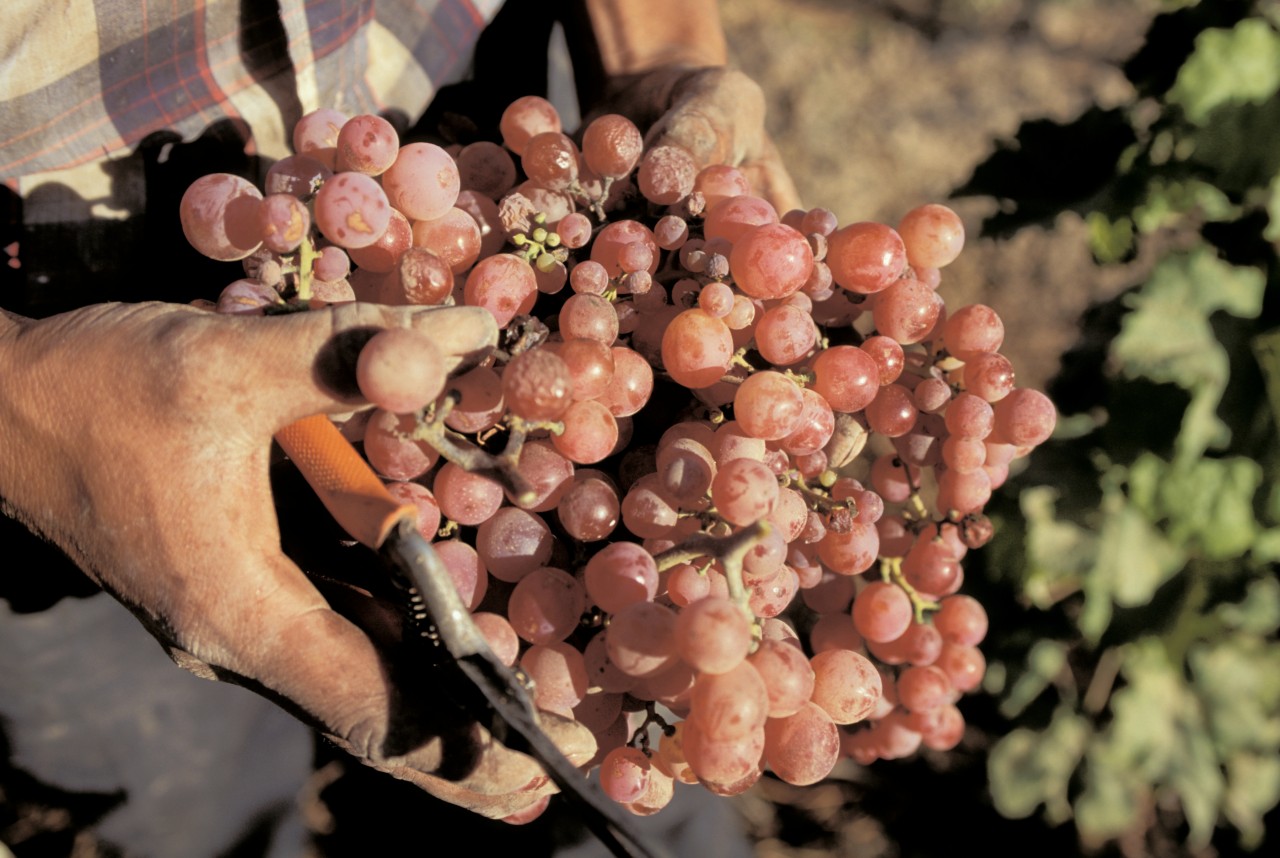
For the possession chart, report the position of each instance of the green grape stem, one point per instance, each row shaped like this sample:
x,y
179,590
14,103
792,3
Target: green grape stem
x,y
891,571
306,261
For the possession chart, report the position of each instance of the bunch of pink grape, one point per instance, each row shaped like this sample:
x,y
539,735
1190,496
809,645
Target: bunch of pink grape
x,y
714,492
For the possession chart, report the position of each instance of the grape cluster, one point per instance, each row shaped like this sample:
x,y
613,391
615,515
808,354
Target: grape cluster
x,y
647,495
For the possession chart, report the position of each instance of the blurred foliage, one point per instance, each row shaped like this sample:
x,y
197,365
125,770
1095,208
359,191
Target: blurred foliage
x,y
1144,691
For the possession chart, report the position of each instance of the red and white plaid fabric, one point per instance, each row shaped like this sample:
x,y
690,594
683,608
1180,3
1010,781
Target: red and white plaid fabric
x,y
82,80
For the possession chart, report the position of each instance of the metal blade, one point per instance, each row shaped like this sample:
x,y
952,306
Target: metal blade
x,y
505,694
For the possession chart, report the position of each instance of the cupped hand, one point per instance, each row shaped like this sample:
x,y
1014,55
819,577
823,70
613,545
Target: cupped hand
x,y
137,438
717,114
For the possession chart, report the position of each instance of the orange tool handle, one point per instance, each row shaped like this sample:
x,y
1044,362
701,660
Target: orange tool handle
x,y
345,483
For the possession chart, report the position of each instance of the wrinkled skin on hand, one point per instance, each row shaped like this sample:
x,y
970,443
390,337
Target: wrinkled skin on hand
x,y
137,439
715,113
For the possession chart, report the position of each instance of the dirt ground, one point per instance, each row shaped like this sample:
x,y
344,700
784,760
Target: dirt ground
x,y
880,105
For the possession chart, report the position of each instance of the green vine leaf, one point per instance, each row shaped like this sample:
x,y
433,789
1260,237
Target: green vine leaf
x,y
1133,560
1266,548
1253,788
1028,768
1238,678
1259,613
1157,738
1209,504
1167,338
1045,661
1239,65
1272,232
1267,349
1058,553
1226,146
1110,240
1168,200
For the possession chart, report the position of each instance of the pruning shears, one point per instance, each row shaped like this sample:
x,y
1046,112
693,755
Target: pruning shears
x,y
359,502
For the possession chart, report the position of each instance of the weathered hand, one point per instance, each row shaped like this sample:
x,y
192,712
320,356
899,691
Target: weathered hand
x,y
137,439
715,113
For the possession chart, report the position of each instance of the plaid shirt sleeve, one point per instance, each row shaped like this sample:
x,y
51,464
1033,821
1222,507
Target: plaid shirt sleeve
x,y
84,80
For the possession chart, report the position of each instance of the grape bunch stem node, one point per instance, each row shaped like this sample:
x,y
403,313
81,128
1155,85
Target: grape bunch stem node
x,y
891,571
801,378
730,550
500,467
640,738
817,500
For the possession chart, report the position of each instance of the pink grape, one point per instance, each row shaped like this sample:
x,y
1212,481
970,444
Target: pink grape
x,y
352,210
771,261
454,237
401,370
504,285
545,605
866,257
733,216
624,774
744,491
382,255
590,432
973,330
1025,417
846,685
730,705
526,117
720,181
697,348
769,405
712,635
785,334
296,175
316,135
465,497
284,222
367,144
666,175
590,509
882,611
906,311
989,375
486,168
611,145
551,160
847,377
219,216
802,748
470,577
932,234
512,543
423,183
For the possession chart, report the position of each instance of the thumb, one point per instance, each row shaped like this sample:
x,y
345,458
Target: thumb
x,y
392,715
770,179
387,710
718,116
505,782
306,361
